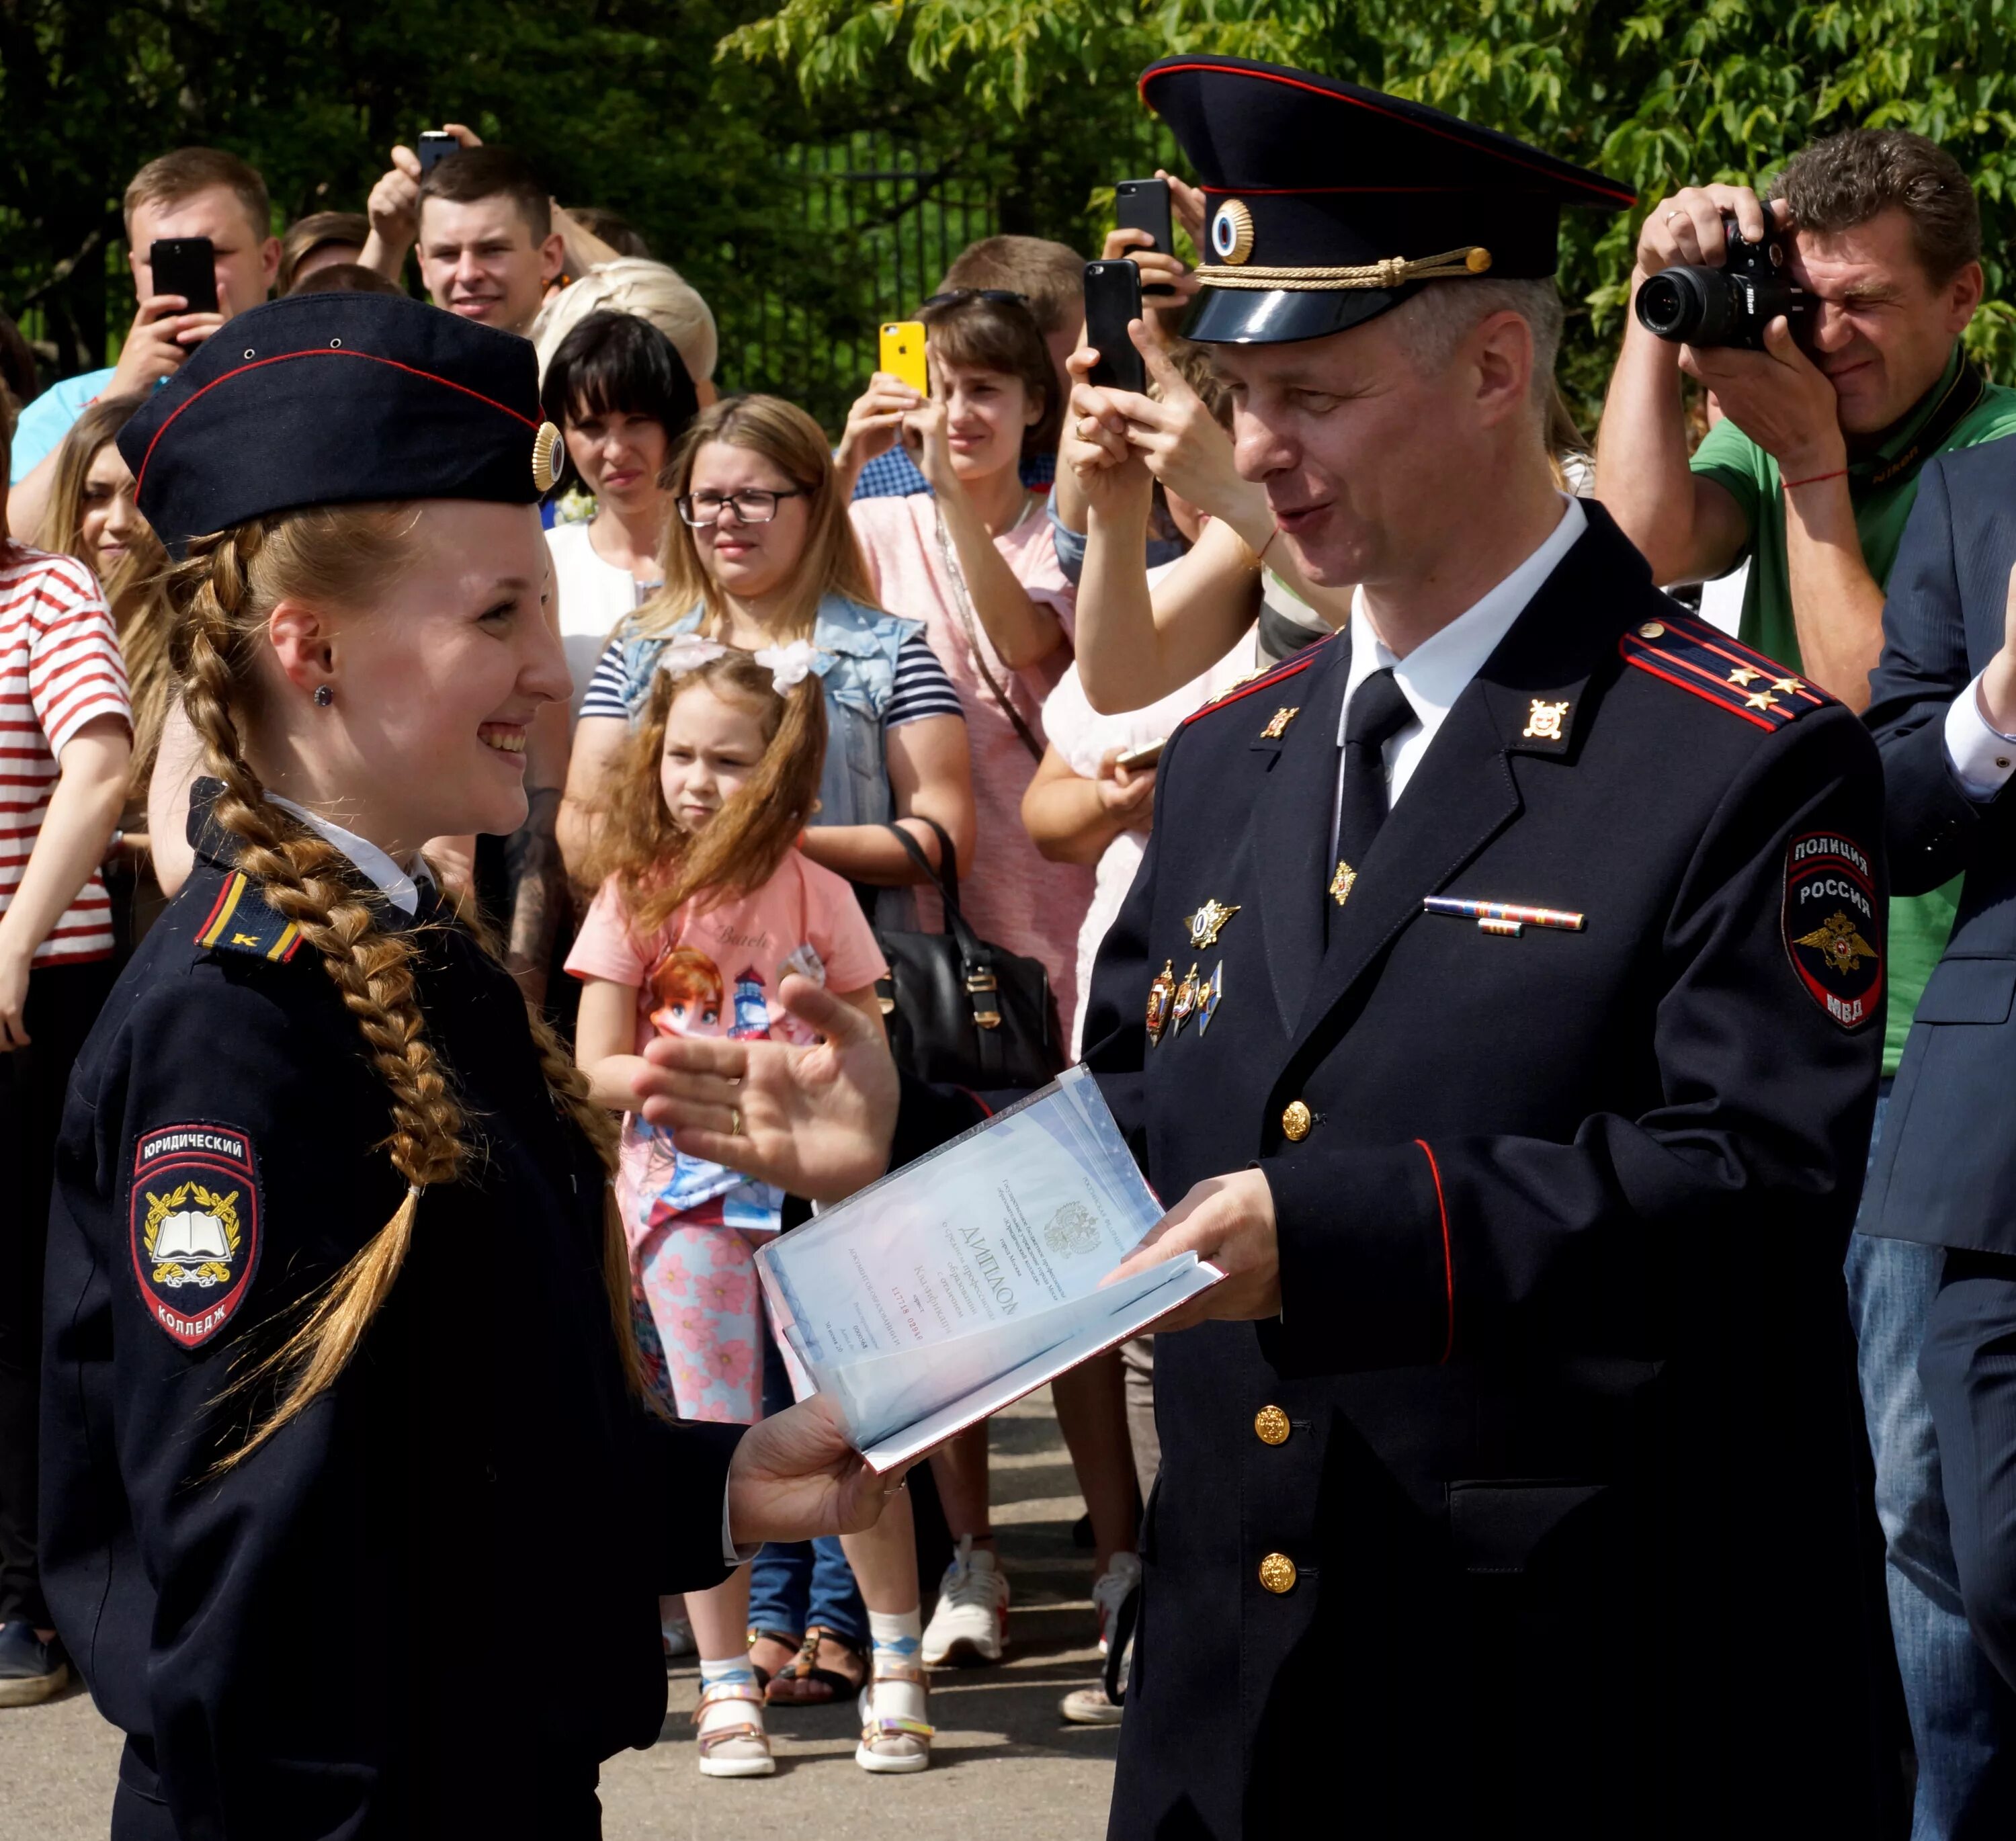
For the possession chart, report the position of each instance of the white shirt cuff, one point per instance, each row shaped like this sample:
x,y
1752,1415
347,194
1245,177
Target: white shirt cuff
x,y
1982,761
731,1555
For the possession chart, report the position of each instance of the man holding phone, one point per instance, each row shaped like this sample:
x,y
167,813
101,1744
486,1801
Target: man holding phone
x,y
193,196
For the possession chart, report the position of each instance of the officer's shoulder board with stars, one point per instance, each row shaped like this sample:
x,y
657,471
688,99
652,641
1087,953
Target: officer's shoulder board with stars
x,y
241,920
1703,660
1276,719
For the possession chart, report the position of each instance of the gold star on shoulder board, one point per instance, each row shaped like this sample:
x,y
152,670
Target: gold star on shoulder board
x,y
1205,923
1790,686
1745,675
1761,699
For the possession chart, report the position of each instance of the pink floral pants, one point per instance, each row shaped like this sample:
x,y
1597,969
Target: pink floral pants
x,y
700,1295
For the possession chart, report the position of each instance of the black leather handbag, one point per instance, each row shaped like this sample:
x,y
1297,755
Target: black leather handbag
x,y
961,1012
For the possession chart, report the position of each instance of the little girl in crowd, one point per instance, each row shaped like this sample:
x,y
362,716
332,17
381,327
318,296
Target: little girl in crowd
x,y
704,905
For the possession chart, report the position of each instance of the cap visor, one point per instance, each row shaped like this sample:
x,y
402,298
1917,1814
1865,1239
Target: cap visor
x,y
1232,316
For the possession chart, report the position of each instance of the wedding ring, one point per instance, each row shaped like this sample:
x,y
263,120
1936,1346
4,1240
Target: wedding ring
x,y
735,1121
1671,215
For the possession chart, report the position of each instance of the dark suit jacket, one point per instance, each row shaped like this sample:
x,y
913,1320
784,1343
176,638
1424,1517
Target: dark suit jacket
x,y
1945,1169
1568,1485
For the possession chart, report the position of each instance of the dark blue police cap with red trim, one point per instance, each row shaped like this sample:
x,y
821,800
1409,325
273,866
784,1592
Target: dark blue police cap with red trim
x,y
330,399
1326,204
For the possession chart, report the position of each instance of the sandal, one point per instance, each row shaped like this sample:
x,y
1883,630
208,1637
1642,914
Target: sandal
x,y
738,1749
890,1747
784,1639
805,1684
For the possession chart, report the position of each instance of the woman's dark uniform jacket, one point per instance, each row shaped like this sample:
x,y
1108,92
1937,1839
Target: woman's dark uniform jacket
x,y
1538,1512
429,1606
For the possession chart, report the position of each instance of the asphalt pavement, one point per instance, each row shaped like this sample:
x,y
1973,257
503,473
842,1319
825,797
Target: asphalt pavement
x,y
1004,1766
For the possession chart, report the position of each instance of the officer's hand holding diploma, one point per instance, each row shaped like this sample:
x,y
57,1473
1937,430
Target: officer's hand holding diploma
x,y
1228,1220
817,1122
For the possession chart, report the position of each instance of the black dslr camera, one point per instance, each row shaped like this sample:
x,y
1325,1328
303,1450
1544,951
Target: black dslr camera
x,y
1731,305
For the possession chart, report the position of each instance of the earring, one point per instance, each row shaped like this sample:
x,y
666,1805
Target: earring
x,y
324,696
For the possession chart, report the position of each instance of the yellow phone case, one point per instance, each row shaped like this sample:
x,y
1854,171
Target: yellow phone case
x,y
902,354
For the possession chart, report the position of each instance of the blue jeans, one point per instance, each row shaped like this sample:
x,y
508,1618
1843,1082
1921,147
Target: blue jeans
x,y
1961,1710
795,1583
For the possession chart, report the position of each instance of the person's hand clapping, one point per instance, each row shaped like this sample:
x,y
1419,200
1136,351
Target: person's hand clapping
x,y
794,1477
162,334
1229,1222
1126,795
817,1122
394,206
874,422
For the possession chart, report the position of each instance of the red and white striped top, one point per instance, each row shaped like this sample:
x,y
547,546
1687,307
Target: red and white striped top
x,y
59,668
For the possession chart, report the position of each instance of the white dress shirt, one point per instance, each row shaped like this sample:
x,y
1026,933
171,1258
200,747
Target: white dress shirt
x,y
1982,759
1439,671
400,888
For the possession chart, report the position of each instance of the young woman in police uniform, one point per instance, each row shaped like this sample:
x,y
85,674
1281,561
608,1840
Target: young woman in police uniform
x,y
338,1377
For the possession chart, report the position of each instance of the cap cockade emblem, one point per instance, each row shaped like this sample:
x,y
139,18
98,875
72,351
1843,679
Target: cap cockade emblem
x,y
1232,232
546,453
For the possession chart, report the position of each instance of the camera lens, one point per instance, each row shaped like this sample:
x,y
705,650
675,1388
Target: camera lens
x,y
1688,305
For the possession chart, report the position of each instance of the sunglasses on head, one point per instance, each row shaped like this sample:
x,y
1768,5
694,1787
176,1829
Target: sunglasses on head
x,y
953,297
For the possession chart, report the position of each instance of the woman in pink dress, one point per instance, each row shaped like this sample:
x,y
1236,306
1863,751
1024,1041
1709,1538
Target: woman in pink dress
x,y
974,560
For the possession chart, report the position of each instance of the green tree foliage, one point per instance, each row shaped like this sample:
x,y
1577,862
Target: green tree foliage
x,y
1658,93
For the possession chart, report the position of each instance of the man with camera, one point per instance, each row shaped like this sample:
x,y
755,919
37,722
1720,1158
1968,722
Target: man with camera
x,y
1840,368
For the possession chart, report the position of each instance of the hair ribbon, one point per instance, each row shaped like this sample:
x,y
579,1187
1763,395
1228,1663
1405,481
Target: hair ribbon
x,y
688,652
790,665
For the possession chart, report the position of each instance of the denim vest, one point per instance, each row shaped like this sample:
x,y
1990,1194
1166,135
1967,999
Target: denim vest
x,y
861,644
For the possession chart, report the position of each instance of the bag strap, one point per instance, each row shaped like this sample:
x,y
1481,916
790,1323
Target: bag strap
x,y
962,603
944,878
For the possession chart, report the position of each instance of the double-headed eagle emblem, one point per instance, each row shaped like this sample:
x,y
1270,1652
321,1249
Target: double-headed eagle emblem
x,y
1836,940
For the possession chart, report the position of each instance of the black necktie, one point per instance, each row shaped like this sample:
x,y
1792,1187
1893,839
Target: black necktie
x,y
1379,711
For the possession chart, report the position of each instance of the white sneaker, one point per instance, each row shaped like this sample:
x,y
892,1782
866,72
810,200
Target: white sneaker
x,y
969,1622
1110,1591
677,1636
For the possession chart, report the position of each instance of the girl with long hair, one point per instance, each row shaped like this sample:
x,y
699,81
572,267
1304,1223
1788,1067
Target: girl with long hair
x,y
91,514
345,1342
706,904
761,554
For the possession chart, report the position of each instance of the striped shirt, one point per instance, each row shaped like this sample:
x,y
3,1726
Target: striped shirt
x,y
59,668
922,688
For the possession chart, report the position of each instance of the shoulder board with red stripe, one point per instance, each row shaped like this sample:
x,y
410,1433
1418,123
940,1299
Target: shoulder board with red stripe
x,y
1260,681
1703,659
239,921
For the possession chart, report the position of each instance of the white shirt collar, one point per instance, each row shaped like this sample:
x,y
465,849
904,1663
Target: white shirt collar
x,y
1439,671
398,886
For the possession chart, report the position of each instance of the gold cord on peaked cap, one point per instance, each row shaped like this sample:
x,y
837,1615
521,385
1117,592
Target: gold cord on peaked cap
x,y
1390,271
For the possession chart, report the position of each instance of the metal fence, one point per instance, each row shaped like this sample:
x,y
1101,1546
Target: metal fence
x,y
865,227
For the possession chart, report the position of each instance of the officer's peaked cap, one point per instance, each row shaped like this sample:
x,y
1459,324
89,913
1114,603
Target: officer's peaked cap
x,y
1326,203
330,399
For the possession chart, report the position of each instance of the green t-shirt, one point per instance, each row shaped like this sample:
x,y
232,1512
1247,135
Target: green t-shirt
x,y
1882,487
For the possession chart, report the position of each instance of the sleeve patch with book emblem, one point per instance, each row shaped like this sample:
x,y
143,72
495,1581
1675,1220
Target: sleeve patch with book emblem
x,y
193,1218
1831,926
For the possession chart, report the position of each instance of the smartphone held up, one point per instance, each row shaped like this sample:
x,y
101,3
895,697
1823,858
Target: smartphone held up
x,y
436,145
1143,204
1113,299
901,354
187,266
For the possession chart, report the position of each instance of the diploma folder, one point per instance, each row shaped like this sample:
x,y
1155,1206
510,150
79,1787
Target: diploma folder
x,y
970,1278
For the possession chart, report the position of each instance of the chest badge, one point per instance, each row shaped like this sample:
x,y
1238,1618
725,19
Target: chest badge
x,y
193,1219
1184,1006
1277,724
1208,993
1162,988
1209,921
1341,884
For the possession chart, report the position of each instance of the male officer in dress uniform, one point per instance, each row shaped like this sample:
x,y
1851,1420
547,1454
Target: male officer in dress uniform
x,y
1501,994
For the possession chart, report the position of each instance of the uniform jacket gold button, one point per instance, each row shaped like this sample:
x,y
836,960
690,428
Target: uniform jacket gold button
x,y
1296,1119
1277,1573
1270,1426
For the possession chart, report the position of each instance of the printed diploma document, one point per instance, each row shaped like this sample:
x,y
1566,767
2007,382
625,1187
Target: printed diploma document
x,y
963,1281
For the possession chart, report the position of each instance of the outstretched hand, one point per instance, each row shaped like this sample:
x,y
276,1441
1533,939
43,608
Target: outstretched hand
x,y
816,1122
794,1477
